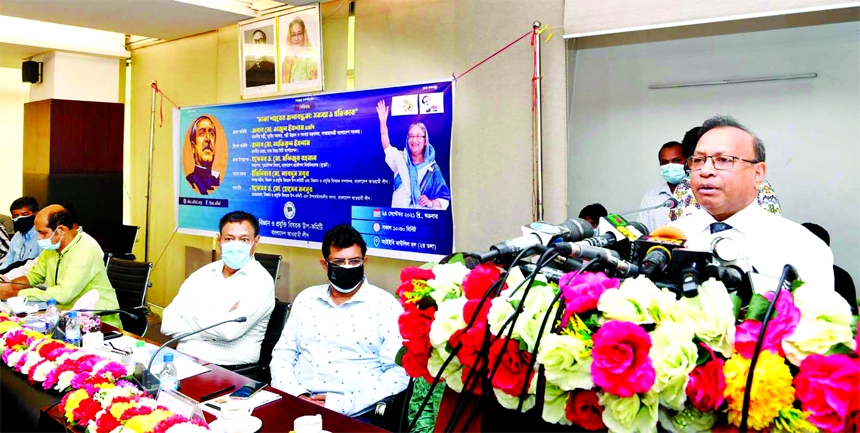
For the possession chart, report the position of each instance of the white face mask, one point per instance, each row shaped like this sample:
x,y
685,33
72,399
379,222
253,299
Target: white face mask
x,y
46,244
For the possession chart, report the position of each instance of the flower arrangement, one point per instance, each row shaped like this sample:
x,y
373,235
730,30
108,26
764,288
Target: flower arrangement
x,y
627,356
99,397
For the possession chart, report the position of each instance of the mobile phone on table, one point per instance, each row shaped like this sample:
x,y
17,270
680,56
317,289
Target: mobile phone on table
x,y
248,390
112,334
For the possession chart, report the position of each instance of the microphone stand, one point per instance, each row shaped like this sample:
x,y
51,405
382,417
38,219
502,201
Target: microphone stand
x,y
148,381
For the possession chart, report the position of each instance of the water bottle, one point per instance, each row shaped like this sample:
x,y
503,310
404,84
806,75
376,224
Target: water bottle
x,y
52,317
73,331
168,379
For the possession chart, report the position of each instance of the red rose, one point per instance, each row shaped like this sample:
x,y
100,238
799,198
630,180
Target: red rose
x,y
828,387
478,280
86,411
415,323
510,376
415,364
621,364
707,384
471,341
476,384
583,408
410,273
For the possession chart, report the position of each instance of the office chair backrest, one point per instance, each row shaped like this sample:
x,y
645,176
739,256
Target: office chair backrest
x,y
273,331
130,280
272,263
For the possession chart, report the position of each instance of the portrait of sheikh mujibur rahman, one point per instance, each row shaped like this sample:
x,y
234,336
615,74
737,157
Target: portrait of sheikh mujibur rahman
x,y
203,137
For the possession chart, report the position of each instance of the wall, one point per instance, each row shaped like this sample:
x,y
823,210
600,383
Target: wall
x,y
13,95
396,42
809,127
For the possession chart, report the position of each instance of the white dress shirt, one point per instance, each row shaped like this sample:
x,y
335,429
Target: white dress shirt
x,y
207,298
657,217
767,242
346,351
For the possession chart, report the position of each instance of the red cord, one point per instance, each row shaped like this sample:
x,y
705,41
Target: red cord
x,y
161,104
456,77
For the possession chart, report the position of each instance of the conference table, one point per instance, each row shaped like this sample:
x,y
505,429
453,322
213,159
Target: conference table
x,y
22,400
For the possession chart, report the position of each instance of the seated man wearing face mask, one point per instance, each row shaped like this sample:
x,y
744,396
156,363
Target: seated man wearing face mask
x,y
70,266
339,344
235,286
24,246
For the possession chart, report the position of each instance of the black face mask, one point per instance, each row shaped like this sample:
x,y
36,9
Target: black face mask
x,y
24,224
345,280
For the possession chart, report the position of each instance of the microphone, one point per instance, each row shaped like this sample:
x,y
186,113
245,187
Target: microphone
x,y
26,285
670,203
656,249
126,311
535,236
148,381
610,258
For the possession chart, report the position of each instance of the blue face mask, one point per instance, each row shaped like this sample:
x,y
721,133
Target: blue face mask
x,y
45,244
236,254
673,173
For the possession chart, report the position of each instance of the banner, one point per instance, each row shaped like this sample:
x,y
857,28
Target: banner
x,y
379,160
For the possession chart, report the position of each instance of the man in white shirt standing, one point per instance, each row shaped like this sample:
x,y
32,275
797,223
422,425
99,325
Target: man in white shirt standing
x,y
727,170
671,158
235,286
340,342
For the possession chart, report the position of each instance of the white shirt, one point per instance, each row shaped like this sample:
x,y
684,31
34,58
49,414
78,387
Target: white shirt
x,y
346,351
657,217
767,242
206,298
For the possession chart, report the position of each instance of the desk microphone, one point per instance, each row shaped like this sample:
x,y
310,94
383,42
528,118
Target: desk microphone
x,y
27,285
149,380
670,203
126,311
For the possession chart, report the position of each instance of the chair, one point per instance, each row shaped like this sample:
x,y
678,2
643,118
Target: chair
x,y
272,263
107,257
260,371
392,413
121,242
130,281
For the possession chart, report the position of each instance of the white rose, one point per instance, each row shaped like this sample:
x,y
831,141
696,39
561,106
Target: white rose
x,y
446,281
448,320
711,316
632,302
825,320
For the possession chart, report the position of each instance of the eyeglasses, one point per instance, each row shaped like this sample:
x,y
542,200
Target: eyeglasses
x,y
721,162
415,136
347,262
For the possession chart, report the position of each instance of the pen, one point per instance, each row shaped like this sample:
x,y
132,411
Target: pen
x,y
213,394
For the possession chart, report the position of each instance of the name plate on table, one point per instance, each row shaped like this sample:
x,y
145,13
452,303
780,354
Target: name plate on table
x,y
179,404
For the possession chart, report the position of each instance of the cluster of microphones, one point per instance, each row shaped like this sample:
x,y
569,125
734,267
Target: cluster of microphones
x,y
623,249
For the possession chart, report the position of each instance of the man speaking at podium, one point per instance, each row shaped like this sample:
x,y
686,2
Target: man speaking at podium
x,y
727,169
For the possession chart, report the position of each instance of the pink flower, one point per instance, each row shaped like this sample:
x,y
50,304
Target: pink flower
x,y
582,291
781,326
621,363
707,384
829,388
114,369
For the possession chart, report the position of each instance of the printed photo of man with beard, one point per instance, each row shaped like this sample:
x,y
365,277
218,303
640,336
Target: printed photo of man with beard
x,y
203,137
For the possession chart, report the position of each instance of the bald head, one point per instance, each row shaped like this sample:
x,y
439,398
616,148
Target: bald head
x,y
56,223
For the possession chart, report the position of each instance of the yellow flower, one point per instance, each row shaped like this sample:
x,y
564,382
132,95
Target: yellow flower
x,y
771,389
117,409
144,423
8,326
73,402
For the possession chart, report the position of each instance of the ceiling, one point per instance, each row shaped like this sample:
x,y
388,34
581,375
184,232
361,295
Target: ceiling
x,y
162,19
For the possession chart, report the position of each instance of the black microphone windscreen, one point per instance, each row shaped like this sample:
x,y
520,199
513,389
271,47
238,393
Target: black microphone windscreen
x,y
639,226
241,319
579,229
671,203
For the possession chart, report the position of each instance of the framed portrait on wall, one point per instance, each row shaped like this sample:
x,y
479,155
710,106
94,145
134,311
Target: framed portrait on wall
x,y
300,67
258,54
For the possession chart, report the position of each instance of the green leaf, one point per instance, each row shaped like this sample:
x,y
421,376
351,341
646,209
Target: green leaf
x,y
457,258
758,308
450,295
428,265
736,304
839,348
795,284
592,321
524,347
515,303
399,358
703,355
854,320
